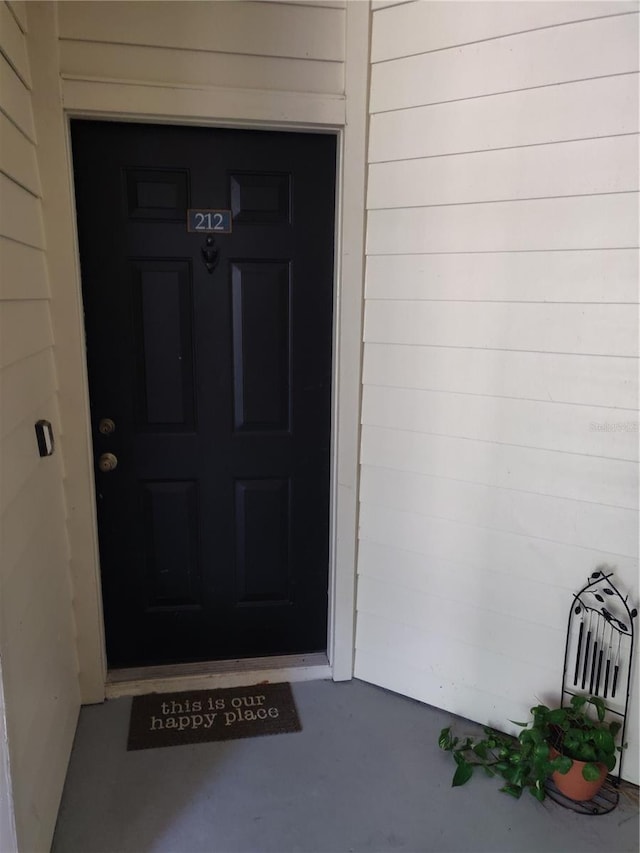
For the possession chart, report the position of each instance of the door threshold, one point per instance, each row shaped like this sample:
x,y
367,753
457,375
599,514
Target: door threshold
x,y
208,675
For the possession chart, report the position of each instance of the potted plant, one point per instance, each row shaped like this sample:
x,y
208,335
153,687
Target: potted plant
x,y
562,743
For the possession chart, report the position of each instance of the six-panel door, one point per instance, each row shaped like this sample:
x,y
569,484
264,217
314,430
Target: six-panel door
x,y
214,524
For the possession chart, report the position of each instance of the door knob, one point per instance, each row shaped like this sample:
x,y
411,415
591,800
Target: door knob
x,y
106,426
107,462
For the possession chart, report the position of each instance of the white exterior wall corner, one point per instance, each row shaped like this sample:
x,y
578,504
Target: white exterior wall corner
x,y
499,465
40,701
8,839
66,311
348,349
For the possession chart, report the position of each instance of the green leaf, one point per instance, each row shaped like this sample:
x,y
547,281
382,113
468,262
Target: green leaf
x,y
588,753
480,749
604,741
591,772
598,705
539,709
519,776
561,764
510,772
541,751
444,741
512,790
558,716
538,791
463,773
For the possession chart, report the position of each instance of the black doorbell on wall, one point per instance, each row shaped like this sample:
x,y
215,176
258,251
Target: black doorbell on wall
x,y
44,434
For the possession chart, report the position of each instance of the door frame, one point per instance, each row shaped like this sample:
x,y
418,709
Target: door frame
x,y
345,117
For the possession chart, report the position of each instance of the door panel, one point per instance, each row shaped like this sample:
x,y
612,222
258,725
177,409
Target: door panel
x,y
261,344
214,525
171,543
162,300
262,541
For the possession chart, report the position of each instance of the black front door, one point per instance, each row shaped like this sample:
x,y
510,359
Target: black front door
x,y
209,358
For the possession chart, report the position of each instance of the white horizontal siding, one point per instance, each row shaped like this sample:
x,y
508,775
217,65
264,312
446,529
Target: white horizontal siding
x,y
31,282
258,29
546,57
235,62
14,46
590,329
447,618
20,214
424,26
382,4
489,587
321,4
571,522
26,386
566,378
587,276
16,100
89,60
18,156
587,109
25,328
527,469
585,167
22,516
415,678
19,11
474,664
521,423
500,427
37,647
469,552
19,460
583,222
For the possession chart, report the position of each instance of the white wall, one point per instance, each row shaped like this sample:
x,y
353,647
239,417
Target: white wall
x,y
238,61
37,642
501,331
8,840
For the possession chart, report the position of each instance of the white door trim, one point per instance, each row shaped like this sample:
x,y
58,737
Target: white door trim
x,y
344,116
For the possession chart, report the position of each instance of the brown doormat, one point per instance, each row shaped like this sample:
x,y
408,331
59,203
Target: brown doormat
x,y
172,719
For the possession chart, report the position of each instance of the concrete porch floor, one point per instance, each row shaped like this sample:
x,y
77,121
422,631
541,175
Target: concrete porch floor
x,y
365,774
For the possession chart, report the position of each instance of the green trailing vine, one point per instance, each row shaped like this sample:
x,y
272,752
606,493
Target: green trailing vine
x,y
550,742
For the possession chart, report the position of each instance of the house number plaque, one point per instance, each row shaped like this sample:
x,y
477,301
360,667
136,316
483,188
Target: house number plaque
x,y
209,221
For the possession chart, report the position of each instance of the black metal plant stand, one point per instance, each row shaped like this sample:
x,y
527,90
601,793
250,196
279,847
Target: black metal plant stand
x,y
598,662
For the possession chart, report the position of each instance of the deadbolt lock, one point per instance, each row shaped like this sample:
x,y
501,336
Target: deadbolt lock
x,y
107,462
106,426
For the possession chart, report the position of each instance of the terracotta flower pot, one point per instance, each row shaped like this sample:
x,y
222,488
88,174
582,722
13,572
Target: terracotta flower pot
x,y
573,784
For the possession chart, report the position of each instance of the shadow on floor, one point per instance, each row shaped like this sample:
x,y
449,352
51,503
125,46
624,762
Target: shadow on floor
x,y
365,774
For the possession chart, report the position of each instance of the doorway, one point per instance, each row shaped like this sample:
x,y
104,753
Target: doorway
x,y
209,351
